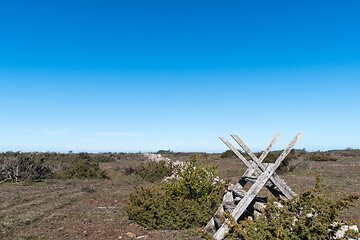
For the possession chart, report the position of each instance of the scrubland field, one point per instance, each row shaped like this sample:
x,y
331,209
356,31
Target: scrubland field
x,y
61,207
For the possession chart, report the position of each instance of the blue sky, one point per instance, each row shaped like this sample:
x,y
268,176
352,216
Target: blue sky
x,y
147,75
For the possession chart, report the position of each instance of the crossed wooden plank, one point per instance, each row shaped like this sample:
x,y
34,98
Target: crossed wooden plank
x,y
257,163
268,173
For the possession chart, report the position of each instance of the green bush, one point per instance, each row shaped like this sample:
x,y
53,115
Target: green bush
x,y
310,215
181,203
320,157
151,171
104,158
164,151
228,154
34,166
83,168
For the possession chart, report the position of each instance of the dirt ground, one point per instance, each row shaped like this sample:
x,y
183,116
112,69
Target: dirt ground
x,y
93,209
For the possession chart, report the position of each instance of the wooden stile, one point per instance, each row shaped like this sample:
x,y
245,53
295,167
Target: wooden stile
x,y
259,173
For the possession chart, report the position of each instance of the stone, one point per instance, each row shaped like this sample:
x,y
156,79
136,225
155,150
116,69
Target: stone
x,y
228,197
231,187
130,234
259,206
237,200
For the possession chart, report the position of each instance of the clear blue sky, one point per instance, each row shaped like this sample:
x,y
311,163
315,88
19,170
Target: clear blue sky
x,y
147,75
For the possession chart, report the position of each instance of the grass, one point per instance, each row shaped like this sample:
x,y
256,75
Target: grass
x,y
68,209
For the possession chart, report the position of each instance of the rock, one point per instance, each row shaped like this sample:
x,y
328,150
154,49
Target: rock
x,y
210,227
256,214
178,164
228,197
342,231
238,187
130,234
239,193
237,200
230,187
279,205
139,237
259,206
229,206
157,158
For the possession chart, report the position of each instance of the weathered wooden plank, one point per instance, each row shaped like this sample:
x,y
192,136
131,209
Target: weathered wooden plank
x,y
244,203
290,146
267,150
284,189
248,198
252,169
237,153
210,226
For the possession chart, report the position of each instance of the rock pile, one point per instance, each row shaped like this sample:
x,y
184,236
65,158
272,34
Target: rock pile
x,y
230,200
159,158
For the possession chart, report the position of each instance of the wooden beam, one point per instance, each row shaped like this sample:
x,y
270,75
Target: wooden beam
x,y
267,150
278,182
237,153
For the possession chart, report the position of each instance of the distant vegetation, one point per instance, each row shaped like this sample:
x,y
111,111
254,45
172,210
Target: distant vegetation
x,y
17,166
321,157
83,166
151,171
228,154
164,151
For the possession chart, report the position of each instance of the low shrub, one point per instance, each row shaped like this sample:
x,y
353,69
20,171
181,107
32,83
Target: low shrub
x,y
320,157
180,203
164,151
104,158
129,170
35,166
228,154
88,189
84,169
348,152
17,167
310,215
151,171
154,171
